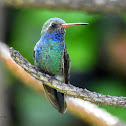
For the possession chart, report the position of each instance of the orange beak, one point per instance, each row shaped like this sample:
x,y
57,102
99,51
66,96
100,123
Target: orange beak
x,y
72,24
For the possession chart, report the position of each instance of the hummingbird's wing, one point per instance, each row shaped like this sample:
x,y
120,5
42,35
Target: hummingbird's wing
x,y
66,67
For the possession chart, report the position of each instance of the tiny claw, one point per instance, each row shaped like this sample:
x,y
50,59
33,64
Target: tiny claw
x,y
51,78
38,69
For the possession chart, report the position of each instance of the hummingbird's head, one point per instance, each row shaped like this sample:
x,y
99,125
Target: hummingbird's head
x,y
57,24
53,25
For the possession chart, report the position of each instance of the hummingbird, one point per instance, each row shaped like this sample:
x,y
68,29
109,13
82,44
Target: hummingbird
x,y
51,57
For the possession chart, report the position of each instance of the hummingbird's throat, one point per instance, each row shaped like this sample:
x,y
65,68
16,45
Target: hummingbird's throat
x,y
58,35
55,36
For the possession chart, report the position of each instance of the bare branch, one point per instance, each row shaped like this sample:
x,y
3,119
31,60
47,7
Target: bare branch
x,y
86,5
65,88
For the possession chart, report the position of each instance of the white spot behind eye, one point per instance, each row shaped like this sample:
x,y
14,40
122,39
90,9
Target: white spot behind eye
x,y
48,26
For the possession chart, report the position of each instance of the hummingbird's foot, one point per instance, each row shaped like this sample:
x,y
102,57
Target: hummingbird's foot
x,y
56,77
40,70
52,78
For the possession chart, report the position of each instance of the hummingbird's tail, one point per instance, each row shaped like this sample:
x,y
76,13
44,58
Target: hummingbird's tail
x,y
56,99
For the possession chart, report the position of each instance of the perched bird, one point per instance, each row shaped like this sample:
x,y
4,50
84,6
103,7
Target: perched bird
x,y
51,56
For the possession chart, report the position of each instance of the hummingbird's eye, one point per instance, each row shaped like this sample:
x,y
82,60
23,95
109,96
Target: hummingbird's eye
x,y
53,25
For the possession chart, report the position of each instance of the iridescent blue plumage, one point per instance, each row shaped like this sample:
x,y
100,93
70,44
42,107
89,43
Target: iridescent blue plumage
x,y
49,51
